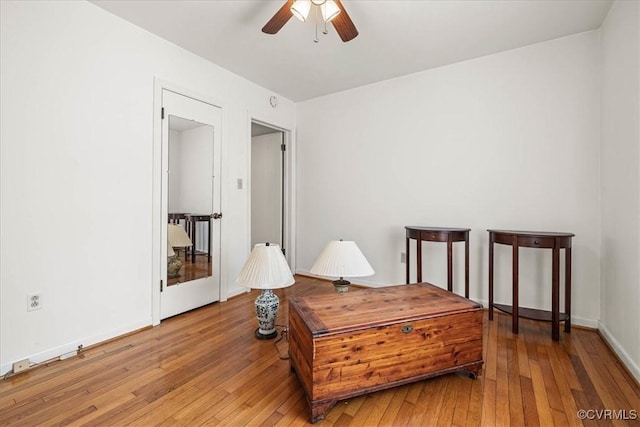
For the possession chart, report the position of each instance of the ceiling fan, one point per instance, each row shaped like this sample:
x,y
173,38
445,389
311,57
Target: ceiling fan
x,y
332,11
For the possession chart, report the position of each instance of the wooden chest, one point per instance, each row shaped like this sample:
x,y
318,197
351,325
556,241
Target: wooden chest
x,y
344,345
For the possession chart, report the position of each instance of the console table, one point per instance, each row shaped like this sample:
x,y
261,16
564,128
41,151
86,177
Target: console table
x,y
439,234
535,239
192,220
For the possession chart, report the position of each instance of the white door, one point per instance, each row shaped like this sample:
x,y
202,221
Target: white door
x,y
190,196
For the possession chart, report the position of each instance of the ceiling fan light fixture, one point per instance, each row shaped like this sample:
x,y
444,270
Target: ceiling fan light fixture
x,y
329,10
300,9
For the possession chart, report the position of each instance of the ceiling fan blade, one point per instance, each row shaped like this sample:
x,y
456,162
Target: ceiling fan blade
x,y
279,19
344,25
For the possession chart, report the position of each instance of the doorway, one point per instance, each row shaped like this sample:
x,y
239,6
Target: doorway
x,y
190,204
269,201
267,185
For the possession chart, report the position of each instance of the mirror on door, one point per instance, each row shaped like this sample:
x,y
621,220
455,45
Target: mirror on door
x,y
190,200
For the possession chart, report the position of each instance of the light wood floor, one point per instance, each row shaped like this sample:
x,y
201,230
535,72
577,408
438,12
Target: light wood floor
x,y
206,367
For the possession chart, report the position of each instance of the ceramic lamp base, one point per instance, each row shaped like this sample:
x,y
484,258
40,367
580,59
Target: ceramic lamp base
x,y
267,305
341,285
174,264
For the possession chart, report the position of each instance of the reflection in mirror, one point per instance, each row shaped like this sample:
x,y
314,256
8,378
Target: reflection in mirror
x,y
190,200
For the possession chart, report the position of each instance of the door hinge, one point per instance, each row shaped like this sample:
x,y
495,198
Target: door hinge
x,y
161,287
162,113
283,147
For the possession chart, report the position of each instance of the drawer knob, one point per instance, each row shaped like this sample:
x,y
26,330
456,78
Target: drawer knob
x,y
406,329
537,242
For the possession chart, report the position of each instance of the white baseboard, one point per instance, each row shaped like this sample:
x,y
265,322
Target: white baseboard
x,y
631,365
237,291
56,352
575,320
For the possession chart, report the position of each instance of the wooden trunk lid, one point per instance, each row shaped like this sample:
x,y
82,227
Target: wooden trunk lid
x,y
368,308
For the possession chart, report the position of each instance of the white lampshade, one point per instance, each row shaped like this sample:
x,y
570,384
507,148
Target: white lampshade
x,y
342,259
329,10
177,237
266,268
300,9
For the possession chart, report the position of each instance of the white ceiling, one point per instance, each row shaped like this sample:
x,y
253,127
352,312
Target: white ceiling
x,y
397,37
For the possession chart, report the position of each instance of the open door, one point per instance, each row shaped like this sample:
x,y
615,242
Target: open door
x,y
190,193
267,186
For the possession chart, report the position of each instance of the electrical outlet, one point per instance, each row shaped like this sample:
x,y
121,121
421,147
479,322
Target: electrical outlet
x,y
21,365
403,257
34,301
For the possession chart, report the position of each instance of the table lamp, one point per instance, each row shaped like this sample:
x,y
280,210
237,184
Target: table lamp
x,y
266,269
342,259
176,238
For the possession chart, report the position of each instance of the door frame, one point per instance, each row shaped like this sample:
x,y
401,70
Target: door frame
x,y
289,195
157,200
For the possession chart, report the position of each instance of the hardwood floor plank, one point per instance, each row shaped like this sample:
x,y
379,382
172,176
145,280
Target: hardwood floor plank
x,y
462,401
446,410
489,403
292,409
529,402
159,411
205,367
565,379
414,392
398,397
428,406
403,416
502,410
564,352
513,368
491,358
540,394
266,406
550,380
476,400
354,404
373,408
71,419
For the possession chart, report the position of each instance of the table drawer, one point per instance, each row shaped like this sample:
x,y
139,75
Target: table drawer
x,y
536,242
442,236
525,241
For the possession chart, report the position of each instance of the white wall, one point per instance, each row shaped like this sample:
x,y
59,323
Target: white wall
x,y
76,171
620,163
196,170
266,189
508,141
